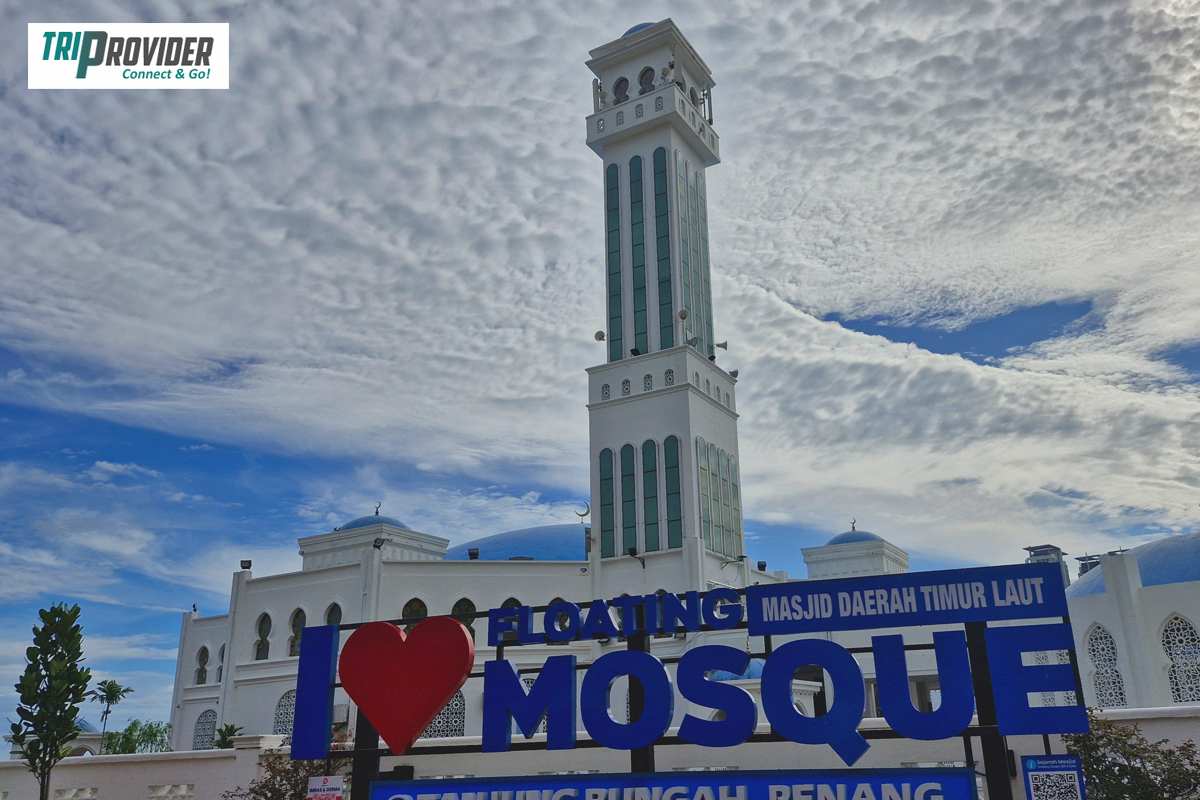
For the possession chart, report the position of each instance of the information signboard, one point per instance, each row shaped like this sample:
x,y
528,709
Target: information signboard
x,y
1057,777
850,784
327,787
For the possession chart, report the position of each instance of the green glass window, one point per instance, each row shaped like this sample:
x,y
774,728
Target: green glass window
x,y
612,217
674,503
685,264
607,516
726,505
693,223
637,240
628,500
704,273
650,493
705,496
737,508
714,474
662,232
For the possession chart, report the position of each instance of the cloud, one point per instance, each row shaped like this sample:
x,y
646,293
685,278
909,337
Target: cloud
x,y
104,471
192,448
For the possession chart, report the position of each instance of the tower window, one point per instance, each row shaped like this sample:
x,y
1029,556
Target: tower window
x,y
625,388
650,493
674,502
605,392
1182,647
612,219
707,387
220,662
647,382
669,377
607,543
621,90
202,666
640,111
658,104
702,464
662,234
299,620
637,237
727,399
646,80
696,379
628,501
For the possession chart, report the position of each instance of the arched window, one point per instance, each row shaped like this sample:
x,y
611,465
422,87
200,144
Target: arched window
x,y
612,223
646,81
464,611
662,233
202,666
298,621
285,714
561,621
637,243
413,612
674,501
650,494
727,399
1102,650
669,377
220,662
625,388
262,646
621,90
707,386
607,513
333,615
735,497
451,720
628,501
1182,646
205,730
605,392
647,382
705,471
696,379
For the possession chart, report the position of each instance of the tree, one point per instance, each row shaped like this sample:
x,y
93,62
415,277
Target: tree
x,y
225,734
139,737
1119,763
110,693
284,779
50,691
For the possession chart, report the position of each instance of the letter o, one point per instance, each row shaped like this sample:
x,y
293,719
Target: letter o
x,y
656,686
549,622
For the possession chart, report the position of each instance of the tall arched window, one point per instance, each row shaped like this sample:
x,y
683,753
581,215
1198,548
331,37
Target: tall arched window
x,y
262,646
333,615
202,666
705,471
646,81
450,721
1182,646
628,501
714,478
413,612
737,507
464,611
650,494
621,90
662,233
285,714
1102,650
220,662
608,546
726,505
637,241
674,500
299,619
205,731
612,219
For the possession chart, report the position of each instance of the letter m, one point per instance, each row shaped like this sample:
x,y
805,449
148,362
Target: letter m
x,y
770,609
552,698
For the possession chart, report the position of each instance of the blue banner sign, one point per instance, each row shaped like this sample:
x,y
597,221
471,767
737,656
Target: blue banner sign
x,y
851,784
1019,591
1053,777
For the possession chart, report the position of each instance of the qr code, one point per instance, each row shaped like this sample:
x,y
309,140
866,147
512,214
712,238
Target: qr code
x,y
1054,786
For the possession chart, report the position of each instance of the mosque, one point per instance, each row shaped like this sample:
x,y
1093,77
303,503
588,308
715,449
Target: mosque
x,y
665,500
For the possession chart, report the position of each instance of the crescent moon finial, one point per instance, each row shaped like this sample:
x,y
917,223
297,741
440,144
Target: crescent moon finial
x,y
852,521
377,505
587,510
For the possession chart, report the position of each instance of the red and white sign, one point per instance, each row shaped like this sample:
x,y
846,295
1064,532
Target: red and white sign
x,y
326,788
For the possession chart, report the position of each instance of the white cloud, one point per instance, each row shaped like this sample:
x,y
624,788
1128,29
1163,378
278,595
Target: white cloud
x,y
105,471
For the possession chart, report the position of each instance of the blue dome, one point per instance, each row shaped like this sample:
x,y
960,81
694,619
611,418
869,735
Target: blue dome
x,y
1175,559
373,519
850,537
639,27
753,670
85,726
544,543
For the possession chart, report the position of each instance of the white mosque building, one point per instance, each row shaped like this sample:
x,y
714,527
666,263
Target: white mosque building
x,y
665,478
666,505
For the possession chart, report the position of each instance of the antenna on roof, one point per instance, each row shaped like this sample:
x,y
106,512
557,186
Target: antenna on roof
x,y
852,521
377,505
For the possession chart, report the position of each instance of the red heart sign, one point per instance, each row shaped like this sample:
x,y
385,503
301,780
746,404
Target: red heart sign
x,y
402,682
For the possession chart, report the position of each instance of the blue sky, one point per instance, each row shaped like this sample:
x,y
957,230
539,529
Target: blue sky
x,y
956,254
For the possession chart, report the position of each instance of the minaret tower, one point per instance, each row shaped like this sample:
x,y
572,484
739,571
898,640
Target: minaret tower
x,y
664,449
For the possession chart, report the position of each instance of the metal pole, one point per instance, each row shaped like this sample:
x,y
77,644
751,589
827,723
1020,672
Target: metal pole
x,y
364,769
995,754
641,759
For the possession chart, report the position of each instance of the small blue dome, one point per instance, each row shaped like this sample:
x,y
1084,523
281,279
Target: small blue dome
x,y
639,27
850,537
544,543
753,671
1175,559
85,726
373,519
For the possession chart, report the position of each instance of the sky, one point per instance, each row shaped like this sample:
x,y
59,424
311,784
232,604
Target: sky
x,y
956,254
